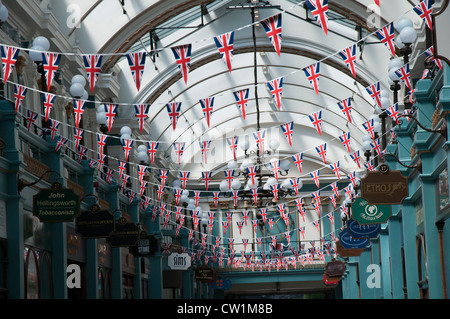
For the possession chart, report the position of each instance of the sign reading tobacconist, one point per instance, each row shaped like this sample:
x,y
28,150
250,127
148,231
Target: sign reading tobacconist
x,y
56,204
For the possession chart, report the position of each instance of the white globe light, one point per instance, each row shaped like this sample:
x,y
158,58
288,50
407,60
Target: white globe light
x,y
287,184
101,118
76,90
399,43
101,108
250,184
385,103
184,199
376,127
185,193
408,35
223,186
366,137
366,146
34,53
393,76
232,165
85,95
244,143
236,184
78,78
285,164
395,64
142,148
274,144
402,23
142,157
42,42
125,130
125,137
3,13
271,181
176,183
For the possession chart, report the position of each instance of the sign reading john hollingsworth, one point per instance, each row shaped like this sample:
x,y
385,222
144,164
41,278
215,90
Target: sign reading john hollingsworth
x,y
384,186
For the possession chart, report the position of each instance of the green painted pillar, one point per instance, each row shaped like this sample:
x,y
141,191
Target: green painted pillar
x,y
351,289
9,162
409,249
155,279
395,241
364,261
133,211
385,263
188,275
376,268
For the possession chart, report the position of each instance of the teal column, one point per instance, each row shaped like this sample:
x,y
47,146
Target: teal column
x,y
86,180
155,279
326,226
133,211
351,289
409,249
385,263
377,290
364,262
188,275
9,162
396,260
430,207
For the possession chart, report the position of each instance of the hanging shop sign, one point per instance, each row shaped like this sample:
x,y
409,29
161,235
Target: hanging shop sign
x,y
335,268
348,252
347,241
221,284
147,245
178,261
441,44
125,234
56,204
205,274
358,231
95,223
365,213
384,186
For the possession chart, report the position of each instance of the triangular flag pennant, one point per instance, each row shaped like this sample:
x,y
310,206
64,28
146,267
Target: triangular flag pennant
x,y
319,9
92,64
77,135
288,130
48,100
127,145
275,187
224,43
259,137
60,143
206,177
430,53
315,176
405,75
173,110
322,151
349,57
9,58
345,139
184,177
272,26
182,55
242,100
136,61
370,128
101,141
110,112
152,147
316,120
141,114
50,63
335,169
179,149
207,107
204,145
276,89
393,112
386,35
78,110
233,144
425,11
54,125
355,157
298,160
346,108
19,95
312,73
375,92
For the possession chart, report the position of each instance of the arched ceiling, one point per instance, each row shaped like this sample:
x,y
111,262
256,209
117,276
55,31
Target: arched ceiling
x,y
304,43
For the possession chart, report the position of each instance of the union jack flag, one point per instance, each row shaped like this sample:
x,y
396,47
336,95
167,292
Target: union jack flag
x,y
204,145
301,209
430,53
346,108
224,43
110,111
349,56
322,151
235,197
369,127
302,231
178,192
206,177
54,125
316,120
405,75
182,55
319,9
275,187
333,200
173,110
276,88
92,64
259,137
196,197
122,167
274,241
159,191
19,95
376,146
263,212
312,73
252,170
127,144
254,192
272,26
393,112
50,63
355,157
352,178
184,177
242,100
345,139
233,144
78,110
425,11
136,61
163,174
369,166
375,92
82,152
315,176
275,166
152,148
216,198
245,214
101,160
386,35
141,114
335,168
9,58
296,183
77,135
229,174
287,235
142,170
60,143
101,141
281,209
288,130
298,160
179,149
48,100
317,225
207,107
